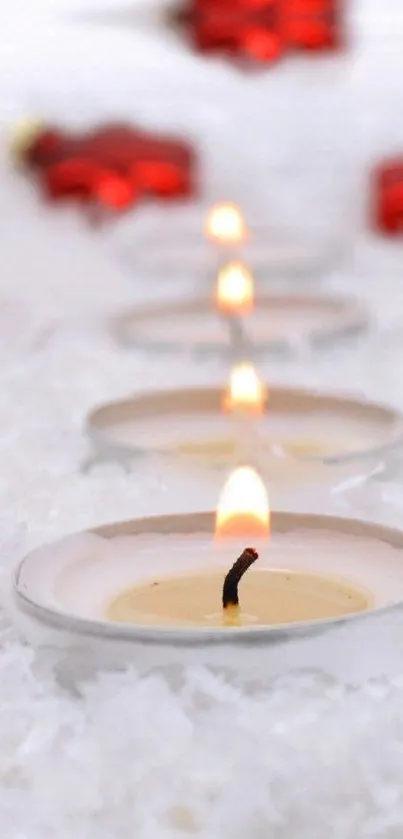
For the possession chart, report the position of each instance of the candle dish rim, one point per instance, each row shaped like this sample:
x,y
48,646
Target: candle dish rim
x,y
355,318
198,636
330,249
94,424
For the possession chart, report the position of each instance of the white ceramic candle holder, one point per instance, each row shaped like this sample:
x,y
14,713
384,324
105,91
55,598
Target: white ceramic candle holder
x,y
285,247
278,323
304,439
272,255
61,594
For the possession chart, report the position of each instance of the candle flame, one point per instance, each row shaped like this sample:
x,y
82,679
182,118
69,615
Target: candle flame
x,y
235,289
243,509
246,391
225,225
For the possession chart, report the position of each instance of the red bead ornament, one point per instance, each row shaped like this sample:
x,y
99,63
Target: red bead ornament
x,y
164,179
114,165
313,25
262,30
387,198
114,191
261,45
115,146
243,29
46,148
73,179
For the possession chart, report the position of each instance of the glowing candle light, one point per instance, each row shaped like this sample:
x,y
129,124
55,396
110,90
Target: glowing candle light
x,y
225,225
235,289
235,300
246,392
246,399
243,509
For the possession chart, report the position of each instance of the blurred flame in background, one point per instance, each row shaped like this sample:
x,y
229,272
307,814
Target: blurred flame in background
x,y
246,391
235,289
225,224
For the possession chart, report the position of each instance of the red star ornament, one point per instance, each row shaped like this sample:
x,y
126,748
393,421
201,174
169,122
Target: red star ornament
x,y
114,164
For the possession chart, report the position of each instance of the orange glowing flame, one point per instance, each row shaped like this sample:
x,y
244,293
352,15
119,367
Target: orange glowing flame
x,y
246,392
225,225
235,289
243,509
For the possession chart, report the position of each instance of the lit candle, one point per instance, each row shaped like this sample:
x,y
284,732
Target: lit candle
x,y
159,591
306,439
235,300
245,399
246,391
225,227
235,290
226,232
211,598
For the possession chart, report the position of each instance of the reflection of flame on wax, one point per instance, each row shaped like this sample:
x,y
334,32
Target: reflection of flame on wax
x,y
243,509
225,225
246,392
235,290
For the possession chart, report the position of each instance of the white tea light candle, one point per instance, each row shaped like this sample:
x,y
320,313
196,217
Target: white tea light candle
x,y
175,245
246,391
276,322
326,437
63,593
246,400
235,300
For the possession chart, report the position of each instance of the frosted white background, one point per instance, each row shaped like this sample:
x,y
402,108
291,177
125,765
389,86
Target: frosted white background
x,y
127,757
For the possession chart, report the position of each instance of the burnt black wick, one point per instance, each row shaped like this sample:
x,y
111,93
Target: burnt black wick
x,y
234,576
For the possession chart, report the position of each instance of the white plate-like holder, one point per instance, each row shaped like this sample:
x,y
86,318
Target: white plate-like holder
x,y
350,648
159,411
280,323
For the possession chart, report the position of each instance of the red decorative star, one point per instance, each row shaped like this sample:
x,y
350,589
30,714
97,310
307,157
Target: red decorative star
x,y
243,29
114,165
313,25
262,30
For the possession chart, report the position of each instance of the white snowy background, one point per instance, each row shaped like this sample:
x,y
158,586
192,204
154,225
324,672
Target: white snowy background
x,y
126,757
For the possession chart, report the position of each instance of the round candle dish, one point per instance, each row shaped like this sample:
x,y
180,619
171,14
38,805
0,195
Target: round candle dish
x,y
304,438
67,595
290,244
271,254
279,323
